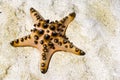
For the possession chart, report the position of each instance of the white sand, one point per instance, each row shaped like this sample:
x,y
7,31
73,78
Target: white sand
x,y
96,30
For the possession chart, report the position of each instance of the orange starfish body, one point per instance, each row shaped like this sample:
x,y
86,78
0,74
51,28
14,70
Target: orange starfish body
x,y
48,37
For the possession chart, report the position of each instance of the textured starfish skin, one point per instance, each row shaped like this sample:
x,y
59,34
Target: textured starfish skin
x,y
48,37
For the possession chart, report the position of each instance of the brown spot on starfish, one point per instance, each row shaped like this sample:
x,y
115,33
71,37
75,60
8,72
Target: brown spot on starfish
x,y
48,37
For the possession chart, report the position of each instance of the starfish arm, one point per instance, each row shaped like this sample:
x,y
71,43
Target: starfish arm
x,y
46,49
45,61
35,15
23,42
66,21
69,47
65,45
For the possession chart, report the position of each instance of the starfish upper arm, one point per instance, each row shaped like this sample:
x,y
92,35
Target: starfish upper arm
x,y
66,21
35,15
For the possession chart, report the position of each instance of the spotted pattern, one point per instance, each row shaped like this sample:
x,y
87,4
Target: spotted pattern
x,y
48,37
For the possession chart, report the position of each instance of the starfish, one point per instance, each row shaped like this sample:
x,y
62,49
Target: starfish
x,y
48,38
